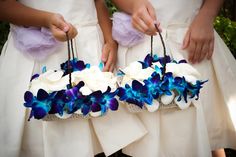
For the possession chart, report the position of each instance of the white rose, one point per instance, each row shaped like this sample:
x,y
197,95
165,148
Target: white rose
x,y
126,80
183,69
144,74
95,79
36,84
96,114
167,99
133,69
153,107
85,90
49,81
135,72
182,104
64,116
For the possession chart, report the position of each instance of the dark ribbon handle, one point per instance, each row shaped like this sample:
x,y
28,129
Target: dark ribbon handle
x,y
70,51
164,49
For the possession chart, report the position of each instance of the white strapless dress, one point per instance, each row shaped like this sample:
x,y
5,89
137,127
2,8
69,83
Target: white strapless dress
x,y
80,137
211,124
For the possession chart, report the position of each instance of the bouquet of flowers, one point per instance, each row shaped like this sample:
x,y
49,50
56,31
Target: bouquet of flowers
x,y
159,82
76,90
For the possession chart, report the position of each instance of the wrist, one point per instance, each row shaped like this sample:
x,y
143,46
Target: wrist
x,y
137,5
110,41
209,12
206,18
208,15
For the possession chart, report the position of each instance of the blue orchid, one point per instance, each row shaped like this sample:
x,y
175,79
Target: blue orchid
x,y
58,103
75,65
181,87
97,105
103,101
194,90
74,98
96,101
153,84
147,61
40,105
158,70
109,100
136,94
182,61
166,83
163,60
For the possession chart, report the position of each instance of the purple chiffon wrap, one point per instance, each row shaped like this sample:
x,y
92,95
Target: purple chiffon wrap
x,y
37,43
123,31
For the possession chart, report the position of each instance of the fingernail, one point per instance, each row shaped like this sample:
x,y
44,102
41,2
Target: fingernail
x,y
66,28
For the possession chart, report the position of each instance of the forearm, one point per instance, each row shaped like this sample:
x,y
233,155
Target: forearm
x,y
104,20
19,14
127,5
210,9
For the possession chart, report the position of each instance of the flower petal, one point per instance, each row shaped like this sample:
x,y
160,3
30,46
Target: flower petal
x,y
28,97
39,112
95,107
85,109
113,104
42,95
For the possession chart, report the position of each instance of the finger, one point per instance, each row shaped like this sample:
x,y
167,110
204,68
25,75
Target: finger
x,y
205,50
211,50
109,62
197,52
149,22
106,67
136,26
141,24
111,68
186,40
191,50
139,28
147,31
151,12
58,33
75,32
105,53
72,32
61,23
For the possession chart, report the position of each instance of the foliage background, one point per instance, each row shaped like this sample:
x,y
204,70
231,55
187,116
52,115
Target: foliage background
x,y
4,29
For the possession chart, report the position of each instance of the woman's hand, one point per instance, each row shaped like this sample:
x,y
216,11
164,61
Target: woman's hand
x,y
199,39
59,27
109,55
144,18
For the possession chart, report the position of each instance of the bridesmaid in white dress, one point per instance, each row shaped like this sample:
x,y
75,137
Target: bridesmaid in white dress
x,y
80,137
187,29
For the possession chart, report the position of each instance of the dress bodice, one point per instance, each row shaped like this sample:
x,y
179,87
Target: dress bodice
x,y
74,11
176,11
